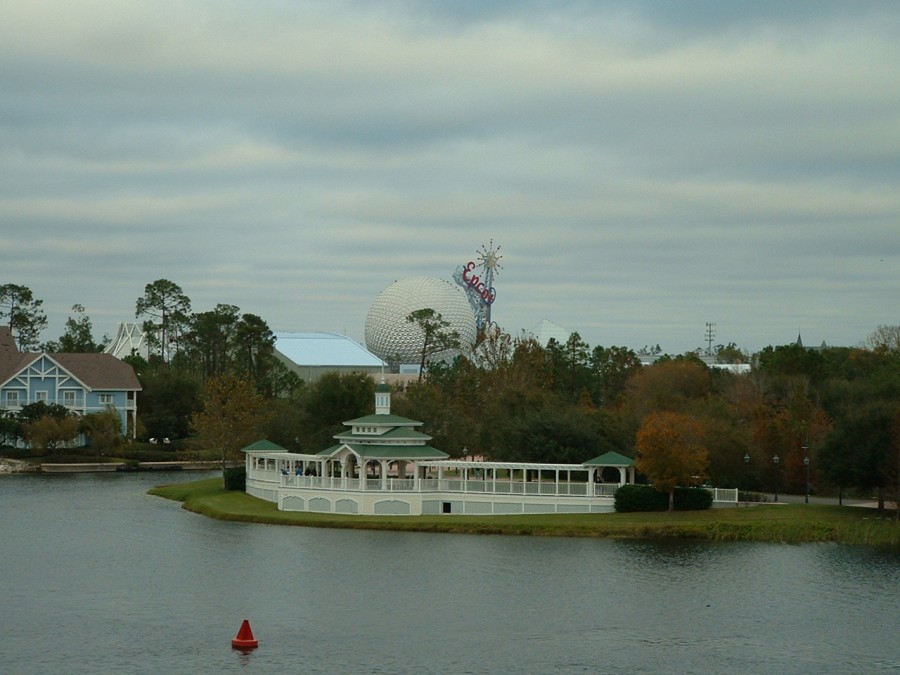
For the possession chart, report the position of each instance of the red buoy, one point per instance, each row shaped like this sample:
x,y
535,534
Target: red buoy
x,y
245,639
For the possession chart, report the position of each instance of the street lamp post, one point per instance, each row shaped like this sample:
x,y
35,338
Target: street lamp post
x,y
775,461
746,477
806,464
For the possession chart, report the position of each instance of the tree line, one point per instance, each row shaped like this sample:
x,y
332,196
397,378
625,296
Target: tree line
x,y
513,399
683,422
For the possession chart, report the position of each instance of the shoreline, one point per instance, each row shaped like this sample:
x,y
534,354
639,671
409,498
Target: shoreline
x,y
775,523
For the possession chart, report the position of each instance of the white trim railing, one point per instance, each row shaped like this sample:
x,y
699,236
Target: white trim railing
x,y
452,485
458,485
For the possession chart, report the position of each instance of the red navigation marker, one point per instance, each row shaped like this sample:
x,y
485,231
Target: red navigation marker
x,y
245,639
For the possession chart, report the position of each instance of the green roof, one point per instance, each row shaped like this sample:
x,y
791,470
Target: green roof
x,y
610,459
397,433
264,446
388,451
391,420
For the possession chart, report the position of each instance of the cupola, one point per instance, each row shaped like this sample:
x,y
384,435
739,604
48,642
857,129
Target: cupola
x,y
383,398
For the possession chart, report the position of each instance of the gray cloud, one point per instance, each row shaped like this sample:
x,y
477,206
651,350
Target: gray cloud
x,y
646,166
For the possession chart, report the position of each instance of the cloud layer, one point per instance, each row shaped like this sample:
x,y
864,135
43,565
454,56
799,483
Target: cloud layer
x,y
646,167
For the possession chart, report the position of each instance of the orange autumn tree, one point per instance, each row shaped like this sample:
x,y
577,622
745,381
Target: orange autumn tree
x,y
671,451
232,416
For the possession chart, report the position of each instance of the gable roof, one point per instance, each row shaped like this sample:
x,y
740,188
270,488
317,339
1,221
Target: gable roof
x,y
11,359
7,342
96,371
324,349
99,371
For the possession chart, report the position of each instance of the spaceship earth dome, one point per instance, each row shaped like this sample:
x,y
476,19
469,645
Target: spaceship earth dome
x,y
389,334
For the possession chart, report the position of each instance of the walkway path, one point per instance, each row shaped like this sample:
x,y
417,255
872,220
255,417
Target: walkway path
x,y
800,499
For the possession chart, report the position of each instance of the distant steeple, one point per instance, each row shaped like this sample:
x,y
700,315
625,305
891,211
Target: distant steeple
x,y
383,398
799,341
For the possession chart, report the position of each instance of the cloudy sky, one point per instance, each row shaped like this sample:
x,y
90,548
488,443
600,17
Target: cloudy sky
x,y
646,167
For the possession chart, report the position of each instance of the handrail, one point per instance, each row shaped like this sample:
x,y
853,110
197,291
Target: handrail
x,y
457,485
454,485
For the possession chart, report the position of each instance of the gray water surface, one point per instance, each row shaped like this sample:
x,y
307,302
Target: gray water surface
x,y
99,577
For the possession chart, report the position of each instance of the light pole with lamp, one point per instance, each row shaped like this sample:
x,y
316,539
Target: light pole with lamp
x,y
775,461
806,464
746,477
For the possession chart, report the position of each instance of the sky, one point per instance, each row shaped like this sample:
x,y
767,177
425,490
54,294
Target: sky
x,y
644,167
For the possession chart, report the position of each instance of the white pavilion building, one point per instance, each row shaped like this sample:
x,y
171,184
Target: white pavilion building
x,y
382,465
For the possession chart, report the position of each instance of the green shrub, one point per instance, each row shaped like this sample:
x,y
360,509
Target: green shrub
x,y
236,478
692,499
631,498
15,453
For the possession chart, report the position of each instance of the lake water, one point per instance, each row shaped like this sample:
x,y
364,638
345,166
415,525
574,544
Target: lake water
x,y
99,577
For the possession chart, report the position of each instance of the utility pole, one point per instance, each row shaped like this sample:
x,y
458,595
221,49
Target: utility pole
x,y
710,336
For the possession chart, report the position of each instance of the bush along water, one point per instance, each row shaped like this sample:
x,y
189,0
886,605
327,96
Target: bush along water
x,y
235,478
644,498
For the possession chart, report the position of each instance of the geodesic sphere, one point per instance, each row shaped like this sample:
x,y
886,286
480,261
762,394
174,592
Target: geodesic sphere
x,y
389,334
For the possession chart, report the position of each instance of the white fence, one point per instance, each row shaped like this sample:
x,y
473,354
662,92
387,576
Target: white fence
x,y
729,495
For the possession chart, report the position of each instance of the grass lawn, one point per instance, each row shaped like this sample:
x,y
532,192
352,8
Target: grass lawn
x,y
791,523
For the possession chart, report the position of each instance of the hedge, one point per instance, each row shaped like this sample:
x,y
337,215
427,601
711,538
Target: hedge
x,y
236,478
644,498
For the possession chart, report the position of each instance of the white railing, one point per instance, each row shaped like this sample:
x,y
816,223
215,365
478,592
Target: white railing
x,y
457,485
605,489
724,494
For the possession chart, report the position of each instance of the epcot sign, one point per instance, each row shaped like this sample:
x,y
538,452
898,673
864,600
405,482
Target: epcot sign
x,y
476,285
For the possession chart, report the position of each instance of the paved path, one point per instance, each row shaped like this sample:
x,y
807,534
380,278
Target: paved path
x,y
800,499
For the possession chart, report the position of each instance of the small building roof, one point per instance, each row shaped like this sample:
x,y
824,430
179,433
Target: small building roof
x,y
610,459
263,445
325,349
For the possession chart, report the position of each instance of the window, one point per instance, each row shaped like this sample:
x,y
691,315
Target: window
x,y
69,399
40,397
12,399
106,399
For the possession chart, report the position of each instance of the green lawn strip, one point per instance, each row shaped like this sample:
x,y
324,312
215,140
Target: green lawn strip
x,y
789,523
